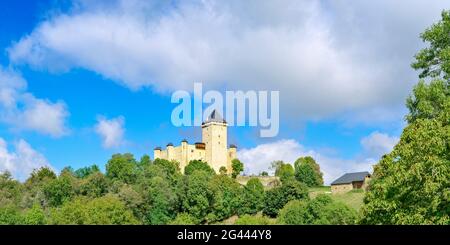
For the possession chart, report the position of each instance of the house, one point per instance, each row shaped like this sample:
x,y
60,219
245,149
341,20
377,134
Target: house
x,y
350,181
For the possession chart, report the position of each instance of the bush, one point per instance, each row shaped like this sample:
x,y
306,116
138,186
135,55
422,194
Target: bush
x,y
35,216
10,216
321,210
106,210
253,220
184,219
277,197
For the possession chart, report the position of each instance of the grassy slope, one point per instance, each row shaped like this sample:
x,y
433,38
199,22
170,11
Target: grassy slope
x,y
353,199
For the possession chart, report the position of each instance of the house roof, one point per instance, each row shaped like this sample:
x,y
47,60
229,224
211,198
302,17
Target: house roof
x,y
351,177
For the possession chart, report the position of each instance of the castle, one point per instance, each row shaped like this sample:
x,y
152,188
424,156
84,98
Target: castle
x,y
213,148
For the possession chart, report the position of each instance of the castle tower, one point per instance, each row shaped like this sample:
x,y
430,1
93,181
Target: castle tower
x,y
214,135
232,154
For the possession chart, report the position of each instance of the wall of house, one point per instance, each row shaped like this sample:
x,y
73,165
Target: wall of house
x,y
358,184
366,182
342,188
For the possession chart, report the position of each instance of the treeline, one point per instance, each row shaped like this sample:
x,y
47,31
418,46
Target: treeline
x,y
155,192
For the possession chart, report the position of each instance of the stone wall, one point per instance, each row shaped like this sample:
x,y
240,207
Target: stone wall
x,y
267,181
342,188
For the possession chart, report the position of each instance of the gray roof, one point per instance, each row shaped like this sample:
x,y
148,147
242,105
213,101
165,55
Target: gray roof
x,y
215,117
351,177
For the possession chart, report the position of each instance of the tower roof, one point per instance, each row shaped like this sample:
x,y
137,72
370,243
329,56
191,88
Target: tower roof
x,y
215,117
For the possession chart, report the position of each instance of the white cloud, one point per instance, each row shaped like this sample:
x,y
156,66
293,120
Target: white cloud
x,y
258,158
23,111
111,131
377,144
22,161
325,58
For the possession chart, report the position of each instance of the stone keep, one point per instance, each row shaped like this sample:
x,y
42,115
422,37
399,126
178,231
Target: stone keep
x,y
213,148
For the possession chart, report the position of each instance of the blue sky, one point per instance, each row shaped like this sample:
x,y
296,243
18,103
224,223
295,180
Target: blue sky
x,y
80,81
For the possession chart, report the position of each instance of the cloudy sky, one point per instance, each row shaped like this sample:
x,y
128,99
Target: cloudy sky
x,y
81,80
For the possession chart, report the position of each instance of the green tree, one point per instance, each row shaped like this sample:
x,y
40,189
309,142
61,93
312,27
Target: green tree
x,y
145,160
197,196
10,190
277,197
321,210
134,200
40,176
428,100
284,170
264,173
411,185
105,210
198,165
169,169
308,171
184,219
10,216
162,200
57,191
434,61
35,216
122,167
225,201
252,198
223,170
237,167
94,185
253,220
82,173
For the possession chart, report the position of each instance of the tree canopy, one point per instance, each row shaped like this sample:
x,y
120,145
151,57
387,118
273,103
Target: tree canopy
x,y
321,210
237,167
284,170
411,185
308,171
434,61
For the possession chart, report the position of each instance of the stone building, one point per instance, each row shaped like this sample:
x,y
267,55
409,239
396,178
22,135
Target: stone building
x,y
213,148
350,181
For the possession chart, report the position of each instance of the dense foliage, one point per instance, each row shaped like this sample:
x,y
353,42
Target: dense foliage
x,y
321,210
277,197
308,171
143,192
434,61
411,185
283,170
